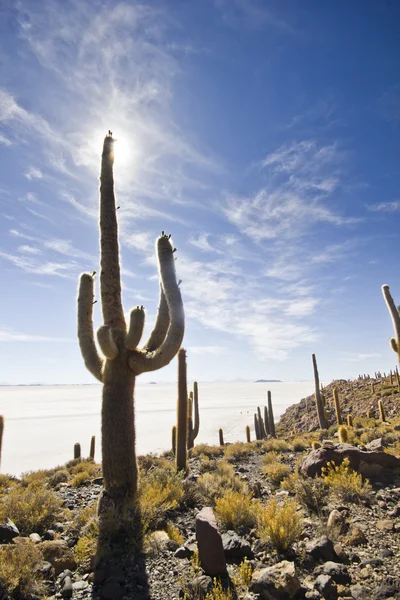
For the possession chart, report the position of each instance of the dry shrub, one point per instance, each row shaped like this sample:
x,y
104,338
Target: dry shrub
x,y
84,550
234,510
160,490
212,485
210,451
88,467
281,524
237,451
34,477
219,592
345,483
33,509
17,570
60,476
274,445
86,515
276,472
7,481
311,493
207,464
300,444
270,457
82,478
152,461
174,533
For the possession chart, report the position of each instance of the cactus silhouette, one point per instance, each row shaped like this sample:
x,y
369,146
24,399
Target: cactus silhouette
x,y
261,425
1,433
381,411
343,434
256,427
248,439
323,423
271,422
221,437
174,440
123,360
395,314
92,447
182,414
339,419
77,451
266,421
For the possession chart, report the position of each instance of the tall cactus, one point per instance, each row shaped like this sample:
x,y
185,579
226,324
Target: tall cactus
x,y
381,411
92,447
323,423
266,421
182,417
123,360
77,451
395,314
256,427
194,396
1,433
271,421
261,425
221,437
339,419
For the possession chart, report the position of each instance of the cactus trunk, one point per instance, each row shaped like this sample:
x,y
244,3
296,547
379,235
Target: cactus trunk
x,y
256,427
92,447
182,418
339,419
263,434
271,416
266,421
221,437
381,411
248,439
323,423
77,451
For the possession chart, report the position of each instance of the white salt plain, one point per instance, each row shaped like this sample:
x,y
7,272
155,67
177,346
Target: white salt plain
x,y
42,423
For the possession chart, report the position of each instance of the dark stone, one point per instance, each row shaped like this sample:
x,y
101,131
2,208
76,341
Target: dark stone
x,y
182,552
386,553
374,562
172,545
209,541
321,549
66,590
360,592
390,588
8,531
235,546
336,571
49,535
377,444
45,569
98,481
326,587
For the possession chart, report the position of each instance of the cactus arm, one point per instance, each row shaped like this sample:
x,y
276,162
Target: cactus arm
x,y
106,342
159,332
93,362
196,410
141,361
135,331
110,276
394,313
323,423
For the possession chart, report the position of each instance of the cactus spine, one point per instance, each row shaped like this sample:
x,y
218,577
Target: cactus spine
x,y
271,422
77,451
1,433
349,421
395,314
343,434
381,411
339,419
92,447
221,437
123,360
323,423
182,417
248,439
174,440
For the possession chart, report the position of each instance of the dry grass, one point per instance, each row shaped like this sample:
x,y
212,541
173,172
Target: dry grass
x,y
212,485
210,451
311,493
174,533
17,570
280,524
84,550
235,510
276,472
346,484
276,445
238,451
160,490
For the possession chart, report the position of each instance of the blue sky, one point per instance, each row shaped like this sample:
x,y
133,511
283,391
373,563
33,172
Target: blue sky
x,y
263,135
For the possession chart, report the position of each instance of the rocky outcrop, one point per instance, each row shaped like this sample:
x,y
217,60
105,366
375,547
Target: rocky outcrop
x,y
279,582
209,541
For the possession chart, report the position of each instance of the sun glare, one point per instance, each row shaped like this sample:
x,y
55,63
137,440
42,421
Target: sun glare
x,y
122,150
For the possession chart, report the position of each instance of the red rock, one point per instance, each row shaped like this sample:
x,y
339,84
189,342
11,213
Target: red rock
x,y
209,541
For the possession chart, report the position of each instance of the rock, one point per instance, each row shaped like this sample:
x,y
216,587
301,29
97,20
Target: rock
x,y
336,571
367,462
35,537
356,537
198,588
336,523
375,445
49,535
182,552
326,587
390,588
360,592
209,541
277,582
172,545
321,548
58,554
45,569
79,585
386,553
8,531
385,525
98,481
111,590
374,562
235,546
66,590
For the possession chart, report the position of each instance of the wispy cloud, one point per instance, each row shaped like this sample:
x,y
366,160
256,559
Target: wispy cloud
x,y
34,173
29,250
13,336
358,356
31,265
4,140
207,349
388,207
200,241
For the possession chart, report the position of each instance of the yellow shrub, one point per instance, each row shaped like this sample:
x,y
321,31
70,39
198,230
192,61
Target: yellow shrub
x,y
35,477
211,451
270,457
245,573
86,515
80,478
234,510
276,445
219,592
85,548
276,472
311,493
17,569
280,523
344,482
212,485
33,508
299,445
90,468
237,451
159,491
174,533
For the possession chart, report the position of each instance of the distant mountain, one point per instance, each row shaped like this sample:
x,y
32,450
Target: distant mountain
x,y
268,381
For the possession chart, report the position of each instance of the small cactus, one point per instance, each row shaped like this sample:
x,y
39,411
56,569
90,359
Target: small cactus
x,y
182,420
1,433
322,420
372,387
343,434
315,445
369,414
221,437
248,439
77,451
381,411
92,447
339,419
174,440
349,421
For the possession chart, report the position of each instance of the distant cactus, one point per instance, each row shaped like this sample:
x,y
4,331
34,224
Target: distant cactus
x,y
315,445
174,440
271,415
339,419
349,421
322,420
256,427
196,424
221,437
92,447
343,434
369,414
382,411
266,421
390,378
77,451
248,439
263,434
182,420
190,433
394,313
1,433
372,387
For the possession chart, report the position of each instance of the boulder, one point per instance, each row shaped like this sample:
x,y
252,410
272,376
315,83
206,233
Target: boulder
x,y
279,582
58,554
209,541
367,462
235,546
336,571
321,548
326,587
336,523
378,444
8,531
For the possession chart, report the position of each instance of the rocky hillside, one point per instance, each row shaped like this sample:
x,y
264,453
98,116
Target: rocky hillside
x,y
356,398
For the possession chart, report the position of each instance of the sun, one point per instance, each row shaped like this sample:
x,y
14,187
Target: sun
x,y
122,151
